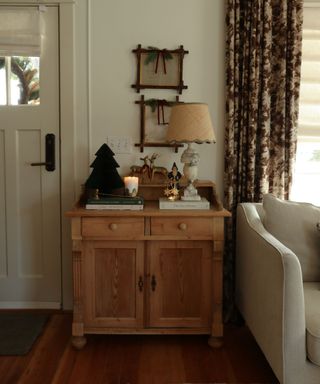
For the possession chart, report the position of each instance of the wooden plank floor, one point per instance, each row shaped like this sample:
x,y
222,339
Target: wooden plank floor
x,y
120,359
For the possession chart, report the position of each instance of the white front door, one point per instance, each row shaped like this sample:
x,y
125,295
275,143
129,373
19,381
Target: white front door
x,y
30,245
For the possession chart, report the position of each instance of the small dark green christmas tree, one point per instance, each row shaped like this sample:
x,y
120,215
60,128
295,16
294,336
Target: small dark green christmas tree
x,y
104,175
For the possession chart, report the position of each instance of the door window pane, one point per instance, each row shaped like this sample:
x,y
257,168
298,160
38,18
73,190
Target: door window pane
x,y
23,74
3,85
24,80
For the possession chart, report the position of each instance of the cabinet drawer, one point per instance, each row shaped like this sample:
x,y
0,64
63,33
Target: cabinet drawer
x,y
190,226
113,227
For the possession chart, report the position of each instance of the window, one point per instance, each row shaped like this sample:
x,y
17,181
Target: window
x,y
19,80
306,181
20,49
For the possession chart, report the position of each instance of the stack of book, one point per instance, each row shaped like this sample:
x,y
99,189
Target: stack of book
x,y
165,203
116,203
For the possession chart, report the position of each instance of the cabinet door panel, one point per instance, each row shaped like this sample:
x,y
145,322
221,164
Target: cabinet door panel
x,y
111,275
183,290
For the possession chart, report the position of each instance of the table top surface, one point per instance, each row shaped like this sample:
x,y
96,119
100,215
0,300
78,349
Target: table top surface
x,y
151,208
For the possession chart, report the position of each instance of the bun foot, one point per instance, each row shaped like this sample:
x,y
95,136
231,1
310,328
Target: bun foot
x,y
78,342
215,342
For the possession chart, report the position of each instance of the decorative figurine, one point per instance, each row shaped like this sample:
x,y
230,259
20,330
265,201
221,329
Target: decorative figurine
x,y
104,175
172,190
156,170
139,170
148,172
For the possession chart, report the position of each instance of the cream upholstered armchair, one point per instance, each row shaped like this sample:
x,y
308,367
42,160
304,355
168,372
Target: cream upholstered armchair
x,y
278,284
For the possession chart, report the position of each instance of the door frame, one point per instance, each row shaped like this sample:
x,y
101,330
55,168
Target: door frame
x,y
67,132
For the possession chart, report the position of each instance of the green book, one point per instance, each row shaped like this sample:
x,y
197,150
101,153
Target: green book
x,y
125,200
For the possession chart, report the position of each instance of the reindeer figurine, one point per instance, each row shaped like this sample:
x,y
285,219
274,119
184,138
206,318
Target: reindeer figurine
x,y
154,170
141,170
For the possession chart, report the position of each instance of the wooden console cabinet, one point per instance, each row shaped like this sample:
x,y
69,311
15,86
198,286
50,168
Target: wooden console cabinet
x,y
148,272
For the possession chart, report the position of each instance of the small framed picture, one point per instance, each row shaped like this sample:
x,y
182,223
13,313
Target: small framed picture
x,y
154,119
159,68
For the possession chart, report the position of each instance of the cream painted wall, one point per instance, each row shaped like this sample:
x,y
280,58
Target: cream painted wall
x,y
106,33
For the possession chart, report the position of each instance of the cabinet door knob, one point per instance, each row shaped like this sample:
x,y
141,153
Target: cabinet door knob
x,y
182,226
113,226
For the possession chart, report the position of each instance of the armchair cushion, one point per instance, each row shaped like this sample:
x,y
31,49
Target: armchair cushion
x,y
312,309
295,225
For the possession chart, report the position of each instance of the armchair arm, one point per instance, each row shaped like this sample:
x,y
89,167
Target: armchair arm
x,y
269,293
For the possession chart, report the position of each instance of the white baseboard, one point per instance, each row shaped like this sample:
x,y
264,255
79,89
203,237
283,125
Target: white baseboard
x,y
29,305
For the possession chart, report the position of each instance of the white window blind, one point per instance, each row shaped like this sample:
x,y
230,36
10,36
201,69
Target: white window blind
x,y
20,33
306,178
309,109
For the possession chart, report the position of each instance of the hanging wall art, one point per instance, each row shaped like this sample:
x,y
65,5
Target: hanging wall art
x,y
154,118
159,68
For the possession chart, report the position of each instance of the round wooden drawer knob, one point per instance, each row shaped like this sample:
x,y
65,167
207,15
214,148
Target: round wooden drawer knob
x,y
113,226
182,226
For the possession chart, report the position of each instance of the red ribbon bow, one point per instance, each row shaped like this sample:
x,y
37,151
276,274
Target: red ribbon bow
x,y
161,53
160,105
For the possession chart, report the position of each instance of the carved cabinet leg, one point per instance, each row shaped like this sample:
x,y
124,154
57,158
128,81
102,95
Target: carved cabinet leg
x,y
216,339
78,338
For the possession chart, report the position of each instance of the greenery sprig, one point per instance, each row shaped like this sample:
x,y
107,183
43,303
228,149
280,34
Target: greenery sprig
x,y
153,54
153,103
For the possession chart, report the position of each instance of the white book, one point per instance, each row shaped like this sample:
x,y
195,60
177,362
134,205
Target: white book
x,y
120,207
164,203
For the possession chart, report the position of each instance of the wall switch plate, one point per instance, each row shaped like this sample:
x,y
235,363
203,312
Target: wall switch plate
x,y
120,144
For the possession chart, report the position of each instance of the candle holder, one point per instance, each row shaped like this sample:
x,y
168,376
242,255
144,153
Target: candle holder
x,y
131,184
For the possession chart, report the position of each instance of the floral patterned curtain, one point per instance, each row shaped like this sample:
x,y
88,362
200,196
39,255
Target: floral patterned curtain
x,y
263,60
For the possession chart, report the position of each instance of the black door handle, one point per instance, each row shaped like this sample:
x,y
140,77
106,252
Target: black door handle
x,y
153,283
50,162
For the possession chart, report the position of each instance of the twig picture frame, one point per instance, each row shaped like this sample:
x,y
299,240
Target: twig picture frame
x,y
159,68
154,118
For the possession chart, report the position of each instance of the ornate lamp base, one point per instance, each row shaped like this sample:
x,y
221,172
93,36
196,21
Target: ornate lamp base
x,y
190,193
190,157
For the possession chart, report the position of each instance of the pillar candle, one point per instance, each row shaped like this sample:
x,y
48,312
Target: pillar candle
x,y
131,185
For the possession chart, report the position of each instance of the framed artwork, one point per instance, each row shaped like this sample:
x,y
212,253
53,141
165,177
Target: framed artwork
x,y
159,68
154,119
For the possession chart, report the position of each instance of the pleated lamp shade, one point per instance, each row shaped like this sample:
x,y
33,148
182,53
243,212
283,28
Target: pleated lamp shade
x,y
190,123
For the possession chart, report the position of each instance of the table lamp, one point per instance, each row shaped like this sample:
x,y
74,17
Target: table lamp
x,y
190,123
